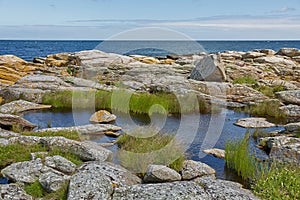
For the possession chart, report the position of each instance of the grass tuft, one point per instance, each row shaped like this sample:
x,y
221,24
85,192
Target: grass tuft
x,y
270,91
136,153
268,109
245,80
140,103
281,182
239,158
37,191
72,135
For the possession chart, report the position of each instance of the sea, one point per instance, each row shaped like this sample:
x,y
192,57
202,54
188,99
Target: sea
x,y
29,49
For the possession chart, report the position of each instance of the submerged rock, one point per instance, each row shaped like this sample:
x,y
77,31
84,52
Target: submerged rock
x,y
161,174
103,116
254,123
21,106
192,169
218,153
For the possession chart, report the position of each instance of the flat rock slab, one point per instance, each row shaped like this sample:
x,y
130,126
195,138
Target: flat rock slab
x,y
8,121
21,106
218,153
163,191
293,127
289,97
87,129
254,123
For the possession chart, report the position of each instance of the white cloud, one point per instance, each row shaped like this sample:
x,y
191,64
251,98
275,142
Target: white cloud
x,y
284,9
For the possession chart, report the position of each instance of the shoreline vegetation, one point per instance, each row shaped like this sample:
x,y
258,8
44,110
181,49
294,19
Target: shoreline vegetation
x,y
268,179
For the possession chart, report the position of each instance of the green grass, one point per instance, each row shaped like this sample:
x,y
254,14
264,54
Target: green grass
x,y
268,109
281,182
269,91
239,158
36,190
245,80
137,153
19,153
72,135
138,102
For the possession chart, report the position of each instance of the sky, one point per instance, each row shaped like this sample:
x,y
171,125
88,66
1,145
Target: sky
x,y
104,19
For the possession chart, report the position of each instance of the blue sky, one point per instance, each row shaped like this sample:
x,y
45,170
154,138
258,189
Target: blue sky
x,y
198,19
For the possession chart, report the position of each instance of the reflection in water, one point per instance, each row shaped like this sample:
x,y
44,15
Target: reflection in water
x,y
60,118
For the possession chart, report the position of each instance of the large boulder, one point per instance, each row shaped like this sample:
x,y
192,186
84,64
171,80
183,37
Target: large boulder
x,y
192,169
24,172
13,68
97,180
289,97
290,52
21,106
8,121
61,164
209,68
283,149
161,174
52,180
254,123
220,189
291,111
13,192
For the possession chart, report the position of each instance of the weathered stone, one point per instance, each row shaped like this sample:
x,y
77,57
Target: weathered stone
x,y
145,59
86,129
97,180
87,151
161,174
62,60
53,180
163,191
254,123
274,60
7,121
192,169
291,110
221,189
8,134
283,149
61,164
209,69
102,116
21,106
13,192
253,54
292,127
290,52
24,172
218,153
289,97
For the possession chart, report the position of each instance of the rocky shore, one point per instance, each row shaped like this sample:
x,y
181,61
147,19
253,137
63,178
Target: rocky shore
x,y
228,79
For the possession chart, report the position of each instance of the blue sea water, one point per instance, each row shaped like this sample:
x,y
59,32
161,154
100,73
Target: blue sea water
x,y
29,49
